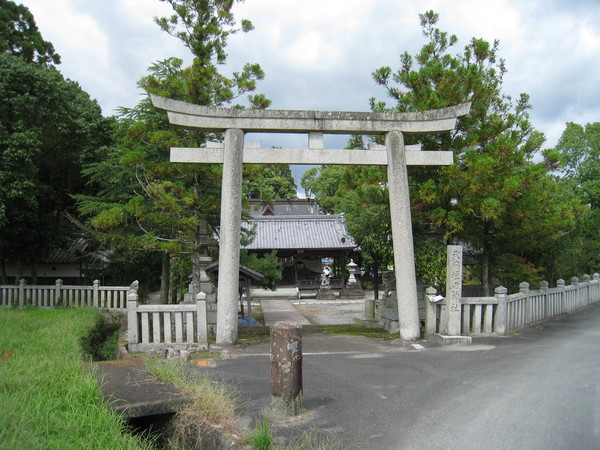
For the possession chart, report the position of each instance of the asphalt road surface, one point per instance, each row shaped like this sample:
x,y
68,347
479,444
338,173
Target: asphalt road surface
x,y
537,389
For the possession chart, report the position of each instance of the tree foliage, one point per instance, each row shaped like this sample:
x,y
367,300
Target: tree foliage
x,y
579,152
167,207
494,198
20,37
268,182
49,129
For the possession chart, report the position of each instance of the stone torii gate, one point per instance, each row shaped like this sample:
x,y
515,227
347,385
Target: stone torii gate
x,y
233,154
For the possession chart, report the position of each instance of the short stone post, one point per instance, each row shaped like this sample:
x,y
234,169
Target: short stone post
x,y
286,368
96,293
22,284
57,292
501,317
132,322
369,308
201,320
430,312
524,289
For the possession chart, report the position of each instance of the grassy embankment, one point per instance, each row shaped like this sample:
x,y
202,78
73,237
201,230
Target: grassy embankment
x,y
50,398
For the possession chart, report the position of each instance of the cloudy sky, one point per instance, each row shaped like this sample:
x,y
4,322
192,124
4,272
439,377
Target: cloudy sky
x,y
319,54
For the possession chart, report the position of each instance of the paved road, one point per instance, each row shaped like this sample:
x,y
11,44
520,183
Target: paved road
x,y
539,389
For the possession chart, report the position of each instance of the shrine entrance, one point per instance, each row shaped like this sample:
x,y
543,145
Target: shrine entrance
x,y
232,153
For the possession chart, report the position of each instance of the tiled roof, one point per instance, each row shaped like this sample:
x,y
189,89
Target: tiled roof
x,y
301,232
289,207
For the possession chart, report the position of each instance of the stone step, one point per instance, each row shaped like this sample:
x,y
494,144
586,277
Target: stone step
x,y
131,390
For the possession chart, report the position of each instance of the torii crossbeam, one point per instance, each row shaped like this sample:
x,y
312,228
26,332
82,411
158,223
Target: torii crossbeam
x,y
233,154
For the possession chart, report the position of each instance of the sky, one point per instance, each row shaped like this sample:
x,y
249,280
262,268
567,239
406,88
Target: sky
x,y
320,54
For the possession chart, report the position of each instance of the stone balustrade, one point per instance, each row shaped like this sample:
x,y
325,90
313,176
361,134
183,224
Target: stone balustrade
x,y
497,315
156,327
112,298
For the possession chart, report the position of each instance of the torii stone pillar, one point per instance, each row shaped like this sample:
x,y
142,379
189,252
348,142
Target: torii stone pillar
x,y
233,153
404,267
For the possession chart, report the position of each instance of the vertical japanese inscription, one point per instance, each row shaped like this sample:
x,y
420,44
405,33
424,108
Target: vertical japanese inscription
x,y
454,288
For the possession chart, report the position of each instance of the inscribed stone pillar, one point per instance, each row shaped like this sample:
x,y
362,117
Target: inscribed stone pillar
x,y
453,288
404,261
229,246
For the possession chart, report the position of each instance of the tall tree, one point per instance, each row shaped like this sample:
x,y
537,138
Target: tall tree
x,y
494,196
49,129
579,151
19,35
268,182
175,208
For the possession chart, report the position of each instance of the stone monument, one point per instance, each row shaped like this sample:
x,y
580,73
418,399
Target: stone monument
x,y
325,292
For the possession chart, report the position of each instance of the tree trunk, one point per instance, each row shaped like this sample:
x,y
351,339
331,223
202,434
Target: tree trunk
x,y
165,278
34,277
375,279
200,259
485,274
3,274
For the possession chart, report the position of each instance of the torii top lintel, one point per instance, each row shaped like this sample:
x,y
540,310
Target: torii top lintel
x,y
188,115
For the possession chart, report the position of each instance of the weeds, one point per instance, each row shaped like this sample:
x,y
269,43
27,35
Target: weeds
x,y
48,398
210,415
261,438
102,341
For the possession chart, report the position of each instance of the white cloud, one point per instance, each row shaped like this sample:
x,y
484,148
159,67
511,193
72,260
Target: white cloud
x,y
320,54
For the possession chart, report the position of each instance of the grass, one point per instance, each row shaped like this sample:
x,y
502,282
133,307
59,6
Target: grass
x,y
248,334
49,398
212,412
353,329
262,437
316,439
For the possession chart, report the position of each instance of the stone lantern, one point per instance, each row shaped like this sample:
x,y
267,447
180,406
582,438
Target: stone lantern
x,y
353,269
352,288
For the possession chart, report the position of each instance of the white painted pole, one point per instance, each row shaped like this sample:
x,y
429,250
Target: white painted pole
x,y
404,260
229,237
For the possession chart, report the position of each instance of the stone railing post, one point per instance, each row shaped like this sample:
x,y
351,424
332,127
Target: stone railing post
x,y
58,284
286,368
201,320
132,318
560,284
577,300
544,288
501,317
22,284
96,293
430,312
586,281
524,289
